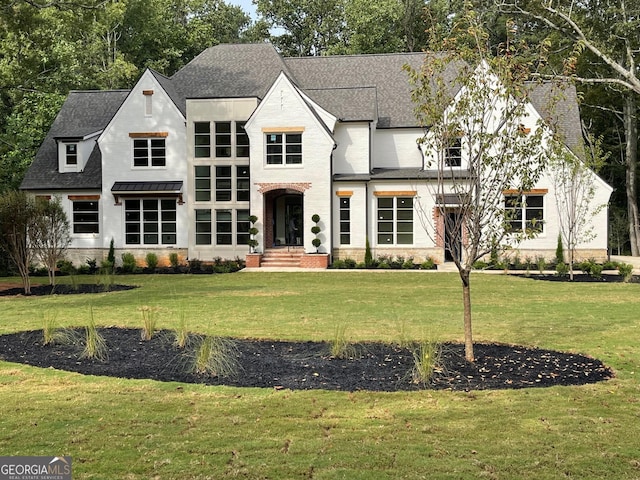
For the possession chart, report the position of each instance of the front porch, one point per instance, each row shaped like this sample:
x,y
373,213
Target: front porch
x,y
293,257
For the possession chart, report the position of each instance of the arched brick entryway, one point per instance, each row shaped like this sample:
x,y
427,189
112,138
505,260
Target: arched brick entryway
x,y
283,213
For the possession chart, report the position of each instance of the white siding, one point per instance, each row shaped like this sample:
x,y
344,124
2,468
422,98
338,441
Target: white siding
x,y
396,148
117,156
283,108
352,153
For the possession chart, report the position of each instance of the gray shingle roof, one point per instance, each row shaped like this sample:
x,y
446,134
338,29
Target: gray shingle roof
x,y
83,113
231,71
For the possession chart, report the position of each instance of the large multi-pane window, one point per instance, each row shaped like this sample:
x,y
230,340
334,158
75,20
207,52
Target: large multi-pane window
x,y
284,148
345,220
203,183
150,221
203,227
223,183
224,227
242,183
86,216
524,212
219,135
202,133
242,140
149,152
223,139
242,227
395,220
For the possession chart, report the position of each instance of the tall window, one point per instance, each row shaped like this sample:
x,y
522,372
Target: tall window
x,y
242,140
202,139
284,148
71,153
86,217
223,184
149,152
242,183
345,220
524,212
203,227
224,227
453,153
242,227
223,139
395,220
150,221
203,183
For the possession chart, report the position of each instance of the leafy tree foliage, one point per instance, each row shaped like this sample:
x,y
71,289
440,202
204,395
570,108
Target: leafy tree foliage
x,y
49,235
17,215
476,102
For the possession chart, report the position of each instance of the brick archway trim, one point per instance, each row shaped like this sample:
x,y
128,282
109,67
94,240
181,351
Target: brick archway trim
x,y
298,187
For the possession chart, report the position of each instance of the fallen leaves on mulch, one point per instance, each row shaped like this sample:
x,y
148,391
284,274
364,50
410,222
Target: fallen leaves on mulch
x,y
308,365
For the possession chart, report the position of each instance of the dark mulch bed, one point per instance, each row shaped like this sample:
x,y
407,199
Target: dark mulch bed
x,y
308,365
579,278
37,290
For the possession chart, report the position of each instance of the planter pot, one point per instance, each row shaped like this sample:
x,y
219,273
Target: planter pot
x,y
253,260
315,260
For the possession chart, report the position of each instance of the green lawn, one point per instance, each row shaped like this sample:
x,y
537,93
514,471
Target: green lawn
x,y
132,429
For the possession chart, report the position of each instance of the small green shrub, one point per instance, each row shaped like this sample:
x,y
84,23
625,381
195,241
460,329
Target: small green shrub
x,y
350,263
480,265
562,269
174,260
368,257
195,265
216,356
626,271
559,251
92,265
428,264
129,264
111,256
66,267
338,264
542,264
152,260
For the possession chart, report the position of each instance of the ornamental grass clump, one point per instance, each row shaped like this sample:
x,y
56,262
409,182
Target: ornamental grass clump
x,y
216,356
95,346
181,333
426,361
340,347
149,321
626,271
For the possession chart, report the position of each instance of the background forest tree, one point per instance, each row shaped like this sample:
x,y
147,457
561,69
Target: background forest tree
x,y
50,47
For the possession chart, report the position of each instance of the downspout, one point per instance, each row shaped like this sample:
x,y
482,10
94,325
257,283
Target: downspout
x,y
331,203
367,224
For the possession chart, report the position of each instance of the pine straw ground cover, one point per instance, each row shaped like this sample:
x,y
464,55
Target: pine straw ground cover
x,y
123,428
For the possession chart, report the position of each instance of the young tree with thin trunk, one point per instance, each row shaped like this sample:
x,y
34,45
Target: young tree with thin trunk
x,y
50,234
574,184
481,142
17,214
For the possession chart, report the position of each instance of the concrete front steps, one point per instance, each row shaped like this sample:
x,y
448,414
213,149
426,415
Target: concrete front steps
x,y
282,257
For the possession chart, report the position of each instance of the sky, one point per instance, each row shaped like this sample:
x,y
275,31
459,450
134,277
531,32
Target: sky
x,y
246,5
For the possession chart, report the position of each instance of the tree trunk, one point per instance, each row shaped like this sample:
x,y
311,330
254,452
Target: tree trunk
x,y
466,300
631,134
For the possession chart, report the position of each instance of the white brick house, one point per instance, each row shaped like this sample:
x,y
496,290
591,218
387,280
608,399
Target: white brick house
x,y
179,164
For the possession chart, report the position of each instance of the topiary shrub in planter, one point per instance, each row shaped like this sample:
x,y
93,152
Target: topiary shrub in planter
x,y
316,242
253,231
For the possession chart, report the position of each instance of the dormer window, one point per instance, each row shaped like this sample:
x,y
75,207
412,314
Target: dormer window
x,y
71,154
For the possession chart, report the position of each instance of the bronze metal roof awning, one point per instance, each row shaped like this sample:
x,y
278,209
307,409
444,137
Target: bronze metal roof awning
x,y
147,189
